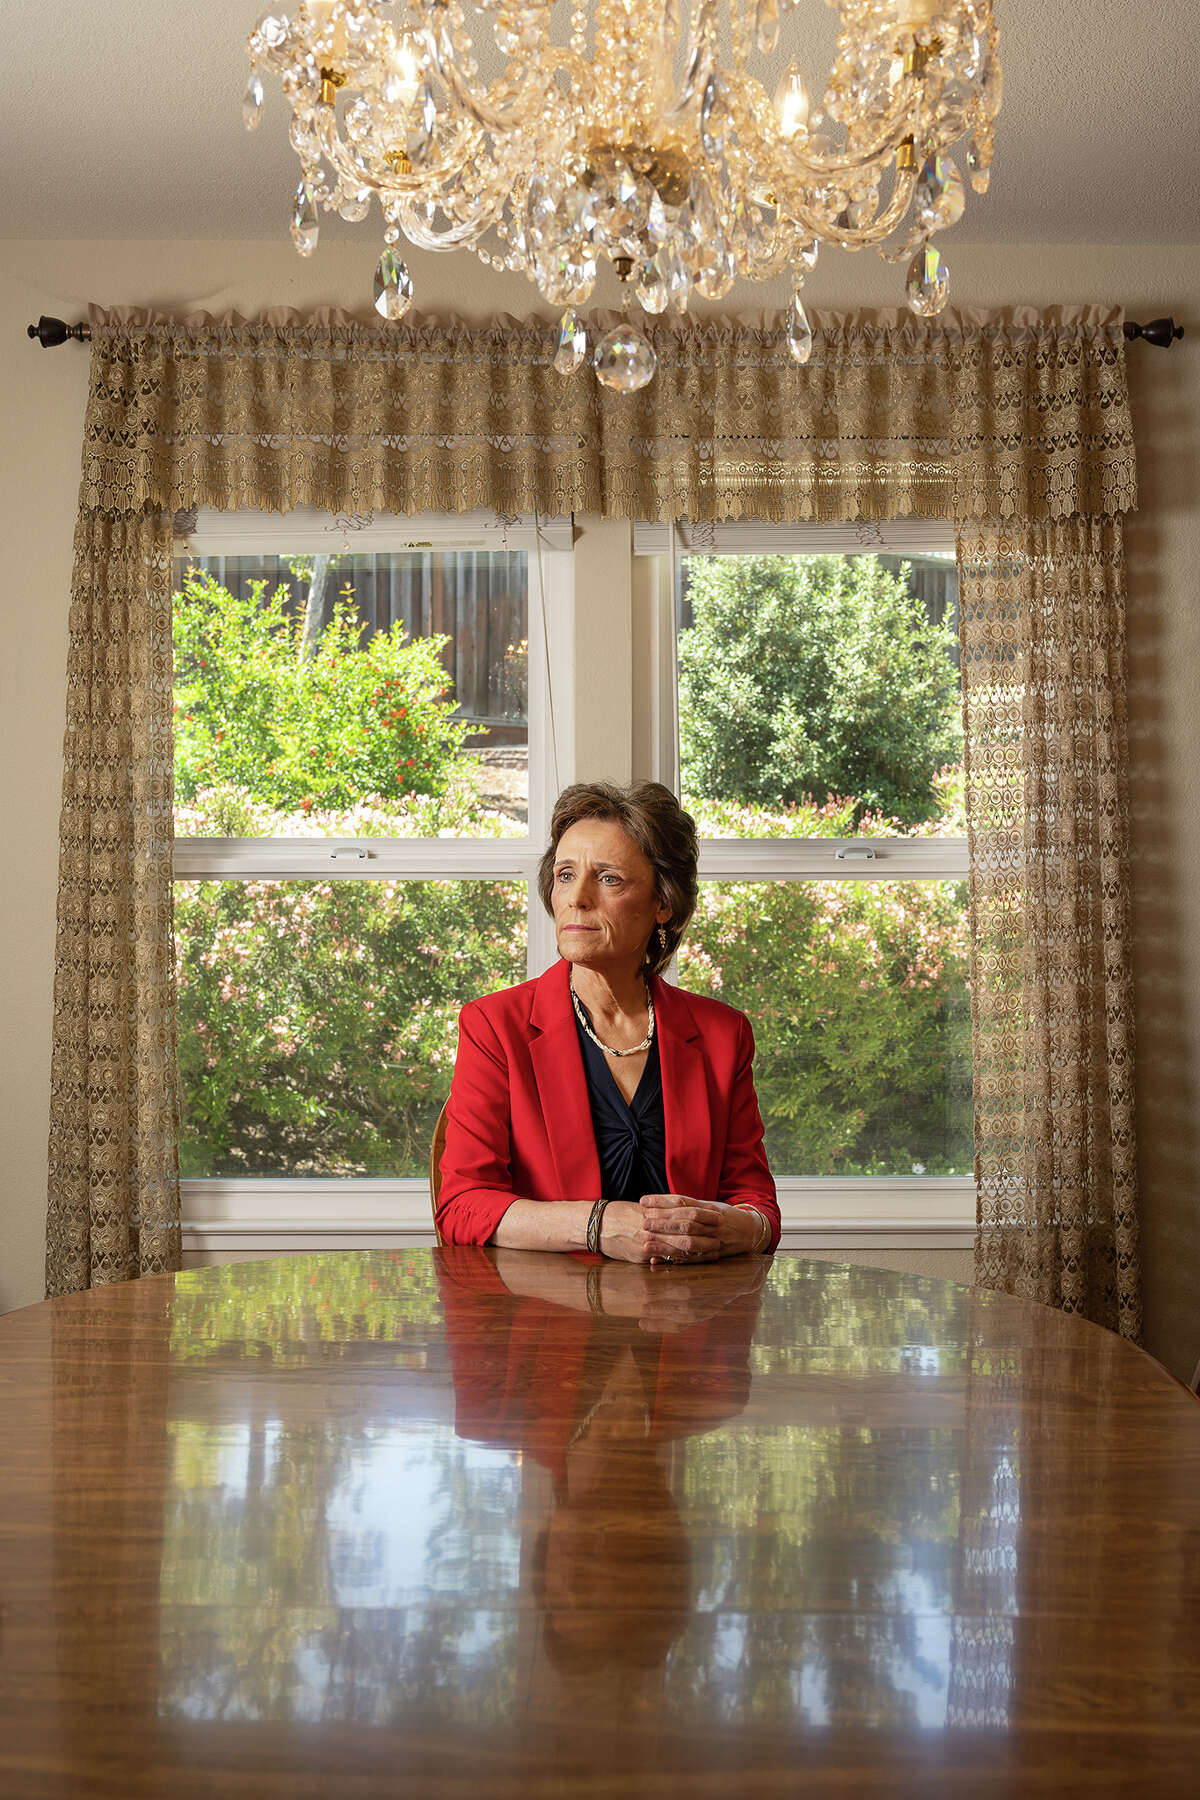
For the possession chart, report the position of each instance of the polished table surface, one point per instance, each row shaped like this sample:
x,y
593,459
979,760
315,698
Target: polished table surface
x,y
475,1522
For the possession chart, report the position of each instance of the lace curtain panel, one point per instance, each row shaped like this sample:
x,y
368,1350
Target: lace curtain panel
x,y
113,1178
1015,426
1043,658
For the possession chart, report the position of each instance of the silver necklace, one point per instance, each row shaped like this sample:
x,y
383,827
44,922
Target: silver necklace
x,y
607,1048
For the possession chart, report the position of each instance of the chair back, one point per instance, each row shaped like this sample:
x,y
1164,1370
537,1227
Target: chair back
x,y
435,1167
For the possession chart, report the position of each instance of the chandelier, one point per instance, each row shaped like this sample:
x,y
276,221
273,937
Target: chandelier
x,y
660,135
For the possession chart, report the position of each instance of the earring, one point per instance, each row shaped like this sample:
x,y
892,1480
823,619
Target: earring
x,y
662,937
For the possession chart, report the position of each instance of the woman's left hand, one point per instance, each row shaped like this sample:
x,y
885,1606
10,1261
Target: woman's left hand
x,y
680,1229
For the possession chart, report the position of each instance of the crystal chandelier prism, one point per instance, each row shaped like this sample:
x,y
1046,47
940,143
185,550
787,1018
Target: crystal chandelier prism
x,y
674,139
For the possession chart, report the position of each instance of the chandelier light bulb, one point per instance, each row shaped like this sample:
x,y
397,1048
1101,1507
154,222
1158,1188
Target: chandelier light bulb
x,y
791,103
403,78
912,14
633,132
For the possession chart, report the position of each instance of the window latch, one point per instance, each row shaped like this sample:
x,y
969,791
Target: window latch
x,y
348,855
861,850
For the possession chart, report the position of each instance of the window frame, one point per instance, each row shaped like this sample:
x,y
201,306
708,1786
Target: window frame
x,y
574,605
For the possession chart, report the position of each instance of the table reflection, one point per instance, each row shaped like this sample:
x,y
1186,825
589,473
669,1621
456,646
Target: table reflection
x,y
535,1475
596,1372
409,1519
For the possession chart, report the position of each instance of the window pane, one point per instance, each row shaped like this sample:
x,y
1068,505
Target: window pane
x,y
857,992
318,1019
352,695
819,696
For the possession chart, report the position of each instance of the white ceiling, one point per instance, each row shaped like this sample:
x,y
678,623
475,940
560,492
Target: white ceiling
x,y
124,120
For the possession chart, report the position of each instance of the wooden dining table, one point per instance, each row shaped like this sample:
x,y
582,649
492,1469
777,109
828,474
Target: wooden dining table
x,y
474,1522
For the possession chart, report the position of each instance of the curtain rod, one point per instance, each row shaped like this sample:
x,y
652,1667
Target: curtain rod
x,y
48,332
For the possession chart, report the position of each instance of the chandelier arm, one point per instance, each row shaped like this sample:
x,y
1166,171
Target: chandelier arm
x,y
892,134
498,119
860,237
898,126
345,160
465,232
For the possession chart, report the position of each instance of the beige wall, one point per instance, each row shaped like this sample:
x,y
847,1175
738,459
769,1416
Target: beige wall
x,y
44,396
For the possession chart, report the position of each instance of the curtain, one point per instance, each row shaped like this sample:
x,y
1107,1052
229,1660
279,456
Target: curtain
x,y
1043,659
113,1178
1013,425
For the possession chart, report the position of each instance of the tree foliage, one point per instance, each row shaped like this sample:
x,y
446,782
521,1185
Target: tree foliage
x,y
813,677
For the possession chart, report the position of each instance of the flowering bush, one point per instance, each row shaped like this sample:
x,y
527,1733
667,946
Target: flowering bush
x,y
857,992
857,995
814,676
456,812
837,817
347,723
318,1019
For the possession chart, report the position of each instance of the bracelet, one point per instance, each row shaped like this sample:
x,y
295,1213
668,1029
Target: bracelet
x,y
595,1219
764,1233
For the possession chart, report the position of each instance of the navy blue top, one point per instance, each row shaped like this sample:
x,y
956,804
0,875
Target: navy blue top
x,y
631,1138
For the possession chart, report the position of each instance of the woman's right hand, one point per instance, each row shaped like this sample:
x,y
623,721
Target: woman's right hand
x,y
623,1233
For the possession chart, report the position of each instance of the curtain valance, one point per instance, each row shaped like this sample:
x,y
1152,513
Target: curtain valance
x,y
1017,415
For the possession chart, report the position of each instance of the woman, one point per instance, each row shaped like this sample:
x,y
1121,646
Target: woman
x,y
627,1103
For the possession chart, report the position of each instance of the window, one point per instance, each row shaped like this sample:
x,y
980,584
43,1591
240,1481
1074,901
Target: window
x,y
817,716
363,767
340,893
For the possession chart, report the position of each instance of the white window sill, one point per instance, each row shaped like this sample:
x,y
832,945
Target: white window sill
x,y
281,1215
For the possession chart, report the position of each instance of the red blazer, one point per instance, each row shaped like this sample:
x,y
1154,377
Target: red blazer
x,y
519,1125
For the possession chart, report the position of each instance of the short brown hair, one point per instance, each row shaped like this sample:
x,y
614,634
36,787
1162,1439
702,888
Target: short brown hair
x,y
650,814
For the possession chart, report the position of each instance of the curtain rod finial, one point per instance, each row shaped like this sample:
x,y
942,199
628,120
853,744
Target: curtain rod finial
x,y
49,332
1159,332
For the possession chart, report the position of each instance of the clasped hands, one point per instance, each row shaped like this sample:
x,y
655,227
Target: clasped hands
x,y
675,1228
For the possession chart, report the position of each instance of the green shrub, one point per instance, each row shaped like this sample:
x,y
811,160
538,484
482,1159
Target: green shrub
x,y
353,722
814,677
